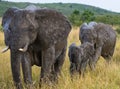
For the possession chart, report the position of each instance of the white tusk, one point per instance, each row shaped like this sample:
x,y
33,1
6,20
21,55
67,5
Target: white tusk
x,y
24,49
5,49
21,49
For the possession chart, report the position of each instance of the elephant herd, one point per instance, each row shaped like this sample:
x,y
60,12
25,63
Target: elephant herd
x,y
38,36
97,39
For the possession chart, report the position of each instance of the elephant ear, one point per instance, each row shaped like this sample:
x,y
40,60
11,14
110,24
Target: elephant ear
x,y
6,20
8,15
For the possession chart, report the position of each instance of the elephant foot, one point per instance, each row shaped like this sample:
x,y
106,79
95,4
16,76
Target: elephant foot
x,y
30,86
93,67
109,61
44,82
18,86
54,77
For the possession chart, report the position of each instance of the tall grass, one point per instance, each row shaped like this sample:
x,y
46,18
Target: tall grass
x,y
105,76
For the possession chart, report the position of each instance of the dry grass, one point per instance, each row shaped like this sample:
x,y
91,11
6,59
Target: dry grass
x,y
104,77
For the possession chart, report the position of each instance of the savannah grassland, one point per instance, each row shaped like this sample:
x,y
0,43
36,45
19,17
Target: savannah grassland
x,y
105,76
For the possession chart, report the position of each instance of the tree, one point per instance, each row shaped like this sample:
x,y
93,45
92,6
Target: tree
x,y
75,18
108,19
76,12
87,16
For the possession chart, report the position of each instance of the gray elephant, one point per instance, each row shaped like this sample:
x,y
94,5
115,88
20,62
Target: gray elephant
x,y
79,57
35,37
102,36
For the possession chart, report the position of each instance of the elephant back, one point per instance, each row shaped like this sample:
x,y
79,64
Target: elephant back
x,y
54,27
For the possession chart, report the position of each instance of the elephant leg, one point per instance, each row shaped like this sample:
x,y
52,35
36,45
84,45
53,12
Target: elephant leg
x,y
48,58
83,66
26,67
72,69
15,66
109,55
59,62
95,58
108,59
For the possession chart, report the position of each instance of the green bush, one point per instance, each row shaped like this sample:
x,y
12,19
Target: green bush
x,y
87,16
118,30
1,28
108,19
77,19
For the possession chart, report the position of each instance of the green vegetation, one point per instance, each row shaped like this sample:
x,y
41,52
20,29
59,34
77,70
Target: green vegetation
x,y
87,16
118,29
77,13
109,19
77,19
0,25
66,8
0,28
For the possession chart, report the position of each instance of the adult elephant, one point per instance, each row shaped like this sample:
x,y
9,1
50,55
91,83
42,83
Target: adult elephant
x,y
35,37
102,36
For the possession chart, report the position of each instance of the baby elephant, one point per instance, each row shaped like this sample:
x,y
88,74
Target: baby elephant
x,y
80,56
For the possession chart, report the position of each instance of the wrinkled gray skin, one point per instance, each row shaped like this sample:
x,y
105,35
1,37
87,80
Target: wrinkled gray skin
x,y
79,57
35,37
102,36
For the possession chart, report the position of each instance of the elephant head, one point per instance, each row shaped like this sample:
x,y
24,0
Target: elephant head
x,y
23,28
19,28
87,32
